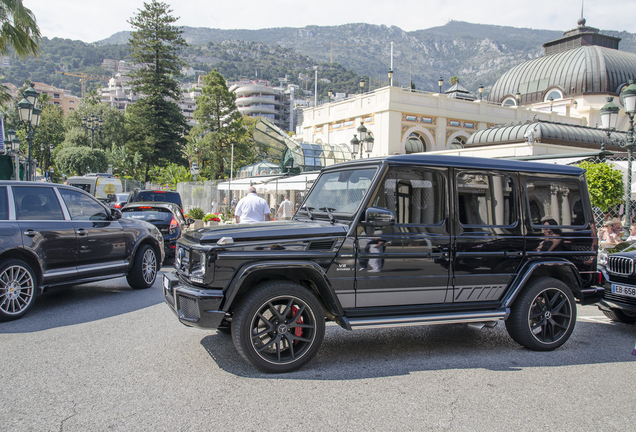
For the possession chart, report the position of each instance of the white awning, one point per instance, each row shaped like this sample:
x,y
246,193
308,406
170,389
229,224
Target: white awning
x,y
300,182
242,184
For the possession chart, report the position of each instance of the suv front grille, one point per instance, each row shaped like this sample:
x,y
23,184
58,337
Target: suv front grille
x,y
188,307
620,265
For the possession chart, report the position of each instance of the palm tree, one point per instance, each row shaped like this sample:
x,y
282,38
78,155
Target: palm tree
x,y
18,29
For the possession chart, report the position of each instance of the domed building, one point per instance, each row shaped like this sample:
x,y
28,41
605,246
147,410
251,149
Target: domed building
x,y
574,76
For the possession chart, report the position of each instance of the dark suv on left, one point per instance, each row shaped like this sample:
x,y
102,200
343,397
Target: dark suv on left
x,y
53,235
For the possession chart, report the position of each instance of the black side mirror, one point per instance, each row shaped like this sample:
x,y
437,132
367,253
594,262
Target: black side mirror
x,y
116,213
378,217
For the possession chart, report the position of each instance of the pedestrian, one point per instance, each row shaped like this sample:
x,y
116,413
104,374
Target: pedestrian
x,y
632,233
285,209
213,209
252,208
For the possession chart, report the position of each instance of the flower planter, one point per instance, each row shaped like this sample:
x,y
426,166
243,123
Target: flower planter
x,y
198,223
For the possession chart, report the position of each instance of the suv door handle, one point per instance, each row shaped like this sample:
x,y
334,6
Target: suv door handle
x,y
513,254
81,231
30,233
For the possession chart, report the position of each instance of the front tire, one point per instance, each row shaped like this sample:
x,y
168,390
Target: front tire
x,y
543,317
18,285
619,316
144,270
278,327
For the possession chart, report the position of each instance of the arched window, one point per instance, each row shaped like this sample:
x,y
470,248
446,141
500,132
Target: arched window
x,y
458,143
415,144
553,94
509,102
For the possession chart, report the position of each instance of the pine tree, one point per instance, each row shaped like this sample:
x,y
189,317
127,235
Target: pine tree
x,y
156,127
219,125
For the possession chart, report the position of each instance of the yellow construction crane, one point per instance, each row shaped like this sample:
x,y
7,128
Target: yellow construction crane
x,y
85,77
335,44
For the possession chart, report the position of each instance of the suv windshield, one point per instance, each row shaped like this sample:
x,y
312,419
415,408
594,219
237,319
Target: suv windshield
x,y
340,192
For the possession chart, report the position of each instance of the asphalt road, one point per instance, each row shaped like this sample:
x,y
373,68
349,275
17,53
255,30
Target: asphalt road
x,y
103,357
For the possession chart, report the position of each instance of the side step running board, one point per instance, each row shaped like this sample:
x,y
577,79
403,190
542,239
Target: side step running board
x,y
428,319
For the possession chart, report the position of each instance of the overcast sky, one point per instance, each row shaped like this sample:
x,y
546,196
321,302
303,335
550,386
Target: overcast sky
x,y
93,20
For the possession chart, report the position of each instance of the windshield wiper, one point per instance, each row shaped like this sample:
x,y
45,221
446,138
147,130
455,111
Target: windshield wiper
x,y
309,213
332,219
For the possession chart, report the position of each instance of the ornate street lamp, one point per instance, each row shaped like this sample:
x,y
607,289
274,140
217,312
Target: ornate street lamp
x,y
440,83
362,83
368,145
92,124
355,145
330,93
15,143
518,98
609,117
481,92
30,118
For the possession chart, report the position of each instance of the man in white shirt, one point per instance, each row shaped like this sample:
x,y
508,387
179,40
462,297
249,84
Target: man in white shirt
x,y
286,209
252,208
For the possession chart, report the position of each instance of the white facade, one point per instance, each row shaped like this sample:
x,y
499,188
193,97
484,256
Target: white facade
x,y
398,118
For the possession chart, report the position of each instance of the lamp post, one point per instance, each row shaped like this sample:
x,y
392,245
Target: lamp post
x,y
609,116
92,124
30,118
364,143
551,103
518,98
15,147
49,169
440,83
362,83
481,92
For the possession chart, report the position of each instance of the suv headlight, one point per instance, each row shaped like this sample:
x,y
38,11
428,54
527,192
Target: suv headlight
x,y
203,263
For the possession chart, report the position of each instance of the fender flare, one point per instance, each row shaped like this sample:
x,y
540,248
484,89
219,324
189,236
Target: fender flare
x,y
531,268
326,293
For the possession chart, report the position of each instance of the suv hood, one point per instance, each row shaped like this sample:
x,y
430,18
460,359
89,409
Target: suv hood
x,y
263,231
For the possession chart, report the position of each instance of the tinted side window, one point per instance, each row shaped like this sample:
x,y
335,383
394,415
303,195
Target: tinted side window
x,y
415,195
485,199
36,203
556,200
82,207
83,186
4,204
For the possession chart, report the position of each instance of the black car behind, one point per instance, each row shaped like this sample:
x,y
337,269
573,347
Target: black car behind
x,y
618,267
166,216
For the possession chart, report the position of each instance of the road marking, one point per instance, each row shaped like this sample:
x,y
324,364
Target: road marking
x,y
597,319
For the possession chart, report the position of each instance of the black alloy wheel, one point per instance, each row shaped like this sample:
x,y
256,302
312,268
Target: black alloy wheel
x,y
544,315
278,327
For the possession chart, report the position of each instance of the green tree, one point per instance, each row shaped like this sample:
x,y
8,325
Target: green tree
x,y
50,131
605,184
155,124
219,125
19,29
124,163
80,161
113,125
171,174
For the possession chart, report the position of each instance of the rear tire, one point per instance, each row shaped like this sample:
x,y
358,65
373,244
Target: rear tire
x,y
543,317
619,316
278,327
18,286
144,270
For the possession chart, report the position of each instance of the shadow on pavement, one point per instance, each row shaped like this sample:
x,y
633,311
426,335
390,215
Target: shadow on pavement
x,y
361,354
75,304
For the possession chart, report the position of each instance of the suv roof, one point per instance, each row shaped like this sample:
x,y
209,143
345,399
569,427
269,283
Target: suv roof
x,y
465,162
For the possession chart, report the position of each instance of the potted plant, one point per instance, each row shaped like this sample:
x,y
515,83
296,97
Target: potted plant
x,y
197,214
211,219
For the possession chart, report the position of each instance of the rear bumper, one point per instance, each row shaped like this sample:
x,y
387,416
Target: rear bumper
x,y
194,307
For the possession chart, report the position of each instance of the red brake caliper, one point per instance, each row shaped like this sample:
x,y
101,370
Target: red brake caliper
x,y
297,331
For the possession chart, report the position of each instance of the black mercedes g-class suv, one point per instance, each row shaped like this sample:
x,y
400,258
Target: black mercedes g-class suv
x,y
397,241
